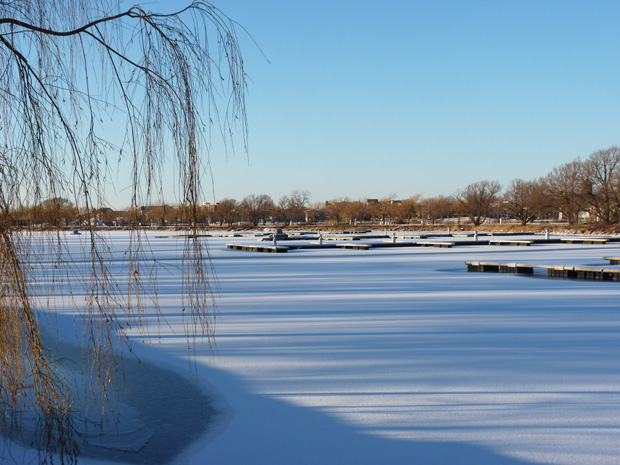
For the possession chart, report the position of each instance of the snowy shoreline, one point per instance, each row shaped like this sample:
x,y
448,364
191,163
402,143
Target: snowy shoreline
x,y
157,413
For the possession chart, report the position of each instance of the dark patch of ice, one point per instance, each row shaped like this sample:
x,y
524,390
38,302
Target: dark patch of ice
x,y
159,413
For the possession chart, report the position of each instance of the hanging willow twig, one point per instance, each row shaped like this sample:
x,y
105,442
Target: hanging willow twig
x,y
71,73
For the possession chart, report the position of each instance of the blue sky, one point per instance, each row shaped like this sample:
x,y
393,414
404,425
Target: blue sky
x,y
367,99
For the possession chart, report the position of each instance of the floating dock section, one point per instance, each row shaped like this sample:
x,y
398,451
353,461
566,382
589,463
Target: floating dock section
x,y
586,240
575,272
512,243
360,241
258,248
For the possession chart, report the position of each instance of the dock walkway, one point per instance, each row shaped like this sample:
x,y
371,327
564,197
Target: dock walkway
x,y
575,272
360,242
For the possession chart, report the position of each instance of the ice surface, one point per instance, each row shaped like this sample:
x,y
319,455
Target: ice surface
x,y
155,415
401,356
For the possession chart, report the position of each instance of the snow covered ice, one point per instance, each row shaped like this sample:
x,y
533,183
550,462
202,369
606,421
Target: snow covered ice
x,y
398,356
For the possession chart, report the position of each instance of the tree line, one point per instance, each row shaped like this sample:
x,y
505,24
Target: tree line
x,y
575,192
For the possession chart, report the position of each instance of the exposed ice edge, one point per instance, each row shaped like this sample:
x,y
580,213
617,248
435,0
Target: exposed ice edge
x,y
125,432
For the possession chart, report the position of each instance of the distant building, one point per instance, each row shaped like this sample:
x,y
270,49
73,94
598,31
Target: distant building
x,y
208,207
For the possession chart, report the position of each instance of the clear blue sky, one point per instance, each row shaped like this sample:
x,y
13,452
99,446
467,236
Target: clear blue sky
x,y
365,99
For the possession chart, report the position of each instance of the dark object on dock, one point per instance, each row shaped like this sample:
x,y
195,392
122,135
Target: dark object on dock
x,y
279,235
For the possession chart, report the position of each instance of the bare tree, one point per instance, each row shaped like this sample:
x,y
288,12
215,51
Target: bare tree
x,y
71,72
602,184
282,210
409,207
159,214
56,212
292,208
334,209
524,200
435,207
257,208
297,203
563,189
355,211
476,200
386,208
226,211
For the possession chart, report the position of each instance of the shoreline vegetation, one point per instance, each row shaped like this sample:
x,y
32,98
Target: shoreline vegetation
x,y
556,228
576,193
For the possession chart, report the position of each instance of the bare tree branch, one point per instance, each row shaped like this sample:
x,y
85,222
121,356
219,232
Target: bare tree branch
x,y
71,73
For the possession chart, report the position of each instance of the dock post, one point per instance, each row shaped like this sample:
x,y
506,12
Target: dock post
x,y
547,233
476,236
393,238
320,238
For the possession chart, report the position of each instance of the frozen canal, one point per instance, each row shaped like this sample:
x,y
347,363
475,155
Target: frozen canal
x,y
400,356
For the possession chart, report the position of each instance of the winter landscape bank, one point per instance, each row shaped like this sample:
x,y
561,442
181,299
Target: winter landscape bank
x,y
388,355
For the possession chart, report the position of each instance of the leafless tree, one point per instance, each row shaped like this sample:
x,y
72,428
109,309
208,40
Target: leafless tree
x,y
226,211
158,214
355,211
297,203
282,211
602,184
435,207
292,207
71,72
476,200
386,209
56,212
334,209
524,200
409,208
257,208
563,188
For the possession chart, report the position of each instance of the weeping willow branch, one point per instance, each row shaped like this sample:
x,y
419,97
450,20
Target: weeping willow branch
x,y
84,87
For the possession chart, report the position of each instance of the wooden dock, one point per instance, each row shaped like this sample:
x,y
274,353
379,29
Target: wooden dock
x,y
289,238
445,245
512,243
354,246
258,248
353,241
613,260
575,272
585,240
